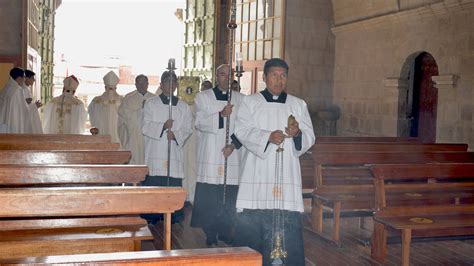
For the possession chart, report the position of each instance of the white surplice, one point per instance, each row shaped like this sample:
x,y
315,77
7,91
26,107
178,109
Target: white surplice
x,y
64,114
130,118
211,139
103,113
36,127
190,161
256,119
14,113
156,113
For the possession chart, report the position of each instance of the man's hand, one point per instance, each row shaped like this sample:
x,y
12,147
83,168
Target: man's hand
x,y
170,135
227,150
29,100
292,130
168,124
38,104
226,111
276,137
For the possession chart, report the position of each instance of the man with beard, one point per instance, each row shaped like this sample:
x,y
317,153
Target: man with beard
x,y
65,114
14,115
103,110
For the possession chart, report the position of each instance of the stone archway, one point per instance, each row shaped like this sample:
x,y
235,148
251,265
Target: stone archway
x,y
418,99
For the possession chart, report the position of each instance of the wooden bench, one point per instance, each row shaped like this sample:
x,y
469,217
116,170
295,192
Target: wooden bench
x,y
64,157
442,207
56,145
40,231
241,256
386,147
338,139
344,182
47,175
80,204
72,138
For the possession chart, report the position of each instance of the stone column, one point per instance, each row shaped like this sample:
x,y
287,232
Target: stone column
x,y
448,107
397,89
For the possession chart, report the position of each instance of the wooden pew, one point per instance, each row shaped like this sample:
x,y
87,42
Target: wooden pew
x,y
72,138
386,147
241,256
442,207
344,182
80,204
24,232
338,139
57,145
47,175
64,157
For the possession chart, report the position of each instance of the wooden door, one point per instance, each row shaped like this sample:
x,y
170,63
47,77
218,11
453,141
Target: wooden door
x,y
425,99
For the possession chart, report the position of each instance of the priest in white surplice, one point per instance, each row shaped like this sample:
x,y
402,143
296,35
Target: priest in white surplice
x,y
130,117
262,125
158,128
14,114
36,127
103,110
211,113
65,114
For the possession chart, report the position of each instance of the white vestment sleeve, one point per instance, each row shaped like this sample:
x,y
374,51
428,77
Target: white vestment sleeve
x,y
207,118
182,133
150,128
48,110
122,126
248,133
306,127
92,110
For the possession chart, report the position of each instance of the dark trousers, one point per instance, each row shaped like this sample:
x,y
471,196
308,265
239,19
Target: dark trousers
x,y
209,213
162,181
254,230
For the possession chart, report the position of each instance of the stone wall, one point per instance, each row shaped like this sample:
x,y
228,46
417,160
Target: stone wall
x,y
309,51
372,62
10,31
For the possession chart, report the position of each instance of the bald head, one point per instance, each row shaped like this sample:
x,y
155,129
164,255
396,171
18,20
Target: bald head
x,y
222,77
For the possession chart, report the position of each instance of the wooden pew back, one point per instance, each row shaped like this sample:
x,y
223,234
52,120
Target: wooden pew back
x,y
56,145
72,138
64,157
242,256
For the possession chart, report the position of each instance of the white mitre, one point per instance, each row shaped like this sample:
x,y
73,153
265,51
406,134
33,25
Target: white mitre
x,y
71,83
111,79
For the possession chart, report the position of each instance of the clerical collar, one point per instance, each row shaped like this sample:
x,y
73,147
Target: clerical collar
x,y
272,98
166,100
220,95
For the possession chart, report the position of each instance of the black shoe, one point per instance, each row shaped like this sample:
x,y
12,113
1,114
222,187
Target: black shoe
x,y
211,241
225,239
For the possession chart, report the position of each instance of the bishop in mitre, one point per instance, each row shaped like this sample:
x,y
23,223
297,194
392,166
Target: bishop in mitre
x,y
103,110
65,114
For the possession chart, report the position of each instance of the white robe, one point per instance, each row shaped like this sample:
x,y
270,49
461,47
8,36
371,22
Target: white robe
x,y
36,127
211,139
103,113
14,113
256,119
156,142
190,161
130,118
64,115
